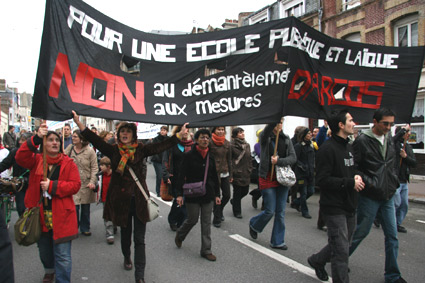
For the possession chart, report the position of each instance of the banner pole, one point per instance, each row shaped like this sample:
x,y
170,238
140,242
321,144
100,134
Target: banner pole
x,y
274,154
44,163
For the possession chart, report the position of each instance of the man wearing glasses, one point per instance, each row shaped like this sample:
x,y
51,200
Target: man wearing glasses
x,y
406,160
375,159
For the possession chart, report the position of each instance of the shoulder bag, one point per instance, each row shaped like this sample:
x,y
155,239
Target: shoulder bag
x,y
197,189
28,226
285,176
153,207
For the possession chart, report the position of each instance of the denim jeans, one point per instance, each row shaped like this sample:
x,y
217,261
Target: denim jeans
x,y
158,171
340,233
83,218
139,241
401,202
367,210
274,204
56,258
306,191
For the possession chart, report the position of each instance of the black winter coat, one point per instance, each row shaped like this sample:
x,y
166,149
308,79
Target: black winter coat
x,y
304,168
403,169
378,172
192,170
335,176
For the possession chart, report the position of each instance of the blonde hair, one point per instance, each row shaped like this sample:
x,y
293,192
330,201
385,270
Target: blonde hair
x,y
105,161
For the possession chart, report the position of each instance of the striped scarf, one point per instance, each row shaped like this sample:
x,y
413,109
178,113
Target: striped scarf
x,y
127,153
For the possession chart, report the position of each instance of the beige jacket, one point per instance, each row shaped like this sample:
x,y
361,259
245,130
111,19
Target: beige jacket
x,y
86,162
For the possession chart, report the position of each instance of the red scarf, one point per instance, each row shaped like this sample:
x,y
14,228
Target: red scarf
x,y
1,146
203,152
219,141
187,144
50,161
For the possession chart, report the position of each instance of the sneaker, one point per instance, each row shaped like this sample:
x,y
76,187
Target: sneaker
x,y
178,241
252,233
128,264
210,257
306,215
238,215
401,229
217,224
320,270
400,280
49,278
376,223
110,240
284,247
323,228
86,233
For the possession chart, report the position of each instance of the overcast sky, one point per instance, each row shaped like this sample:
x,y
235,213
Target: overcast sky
x,y
21,26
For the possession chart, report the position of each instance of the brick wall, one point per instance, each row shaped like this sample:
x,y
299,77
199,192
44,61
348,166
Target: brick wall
x,y
376,37
420,168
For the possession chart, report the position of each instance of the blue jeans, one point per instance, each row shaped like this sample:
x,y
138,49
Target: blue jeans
x,y
84,218
158,171
401,202
306,191
367,210
56,258
274,204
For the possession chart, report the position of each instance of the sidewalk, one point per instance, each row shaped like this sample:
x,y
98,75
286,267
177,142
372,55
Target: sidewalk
x,y
417,189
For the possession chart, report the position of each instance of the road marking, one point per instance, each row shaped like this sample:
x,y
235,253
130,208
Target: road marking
x,y
420,221
153,195
276,256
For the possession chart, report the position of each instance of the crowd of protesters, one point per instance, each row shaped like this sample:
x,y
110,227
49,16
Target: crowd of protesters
x,y
356,188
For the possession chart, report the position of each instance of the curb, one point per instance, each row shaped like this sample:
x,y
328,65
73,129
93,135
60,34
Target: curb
x,y
417,200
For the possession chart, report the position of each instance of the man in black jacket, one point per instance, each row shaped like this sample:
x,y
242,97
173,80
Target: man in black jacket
x,y
339,187
375,159
406,161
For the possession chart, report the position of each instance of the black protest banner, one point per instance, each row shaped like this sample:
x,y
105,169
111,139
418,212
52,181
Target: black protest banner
x,y
249,75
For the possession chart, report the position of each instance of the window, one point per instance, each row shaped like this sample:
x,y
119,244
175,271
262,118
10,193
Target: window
x,y
295,11
406,32
354,37
350,4
260,17
290,8
417,137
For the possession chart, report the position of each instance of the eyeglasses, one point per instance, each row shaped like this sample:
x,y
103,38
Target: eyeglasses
x,y
386,124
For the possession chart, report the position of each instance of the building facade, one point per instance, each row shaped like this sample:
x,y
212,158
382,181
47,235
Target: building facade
x,y
381,22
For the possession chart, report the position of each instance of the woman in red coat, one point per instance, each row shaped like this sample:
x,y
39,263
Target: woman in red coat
x,y
58,218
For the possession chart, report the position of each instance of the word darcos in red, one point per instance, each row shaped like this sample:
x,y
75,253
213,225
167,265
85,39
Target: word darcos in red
x,y
332,91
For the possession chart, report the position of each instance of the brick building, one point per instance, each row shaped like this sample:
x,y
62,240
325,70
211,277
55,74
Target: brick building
x,y
381,22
